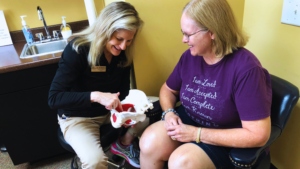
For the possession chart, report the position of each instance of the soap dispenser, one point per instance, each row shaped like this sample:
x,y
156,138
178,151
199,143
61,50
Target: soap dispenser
x,y
27,31
65,29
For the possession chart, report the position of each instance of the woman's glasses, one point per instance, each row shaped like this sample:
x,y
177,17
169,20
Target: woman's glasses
x,y
189,35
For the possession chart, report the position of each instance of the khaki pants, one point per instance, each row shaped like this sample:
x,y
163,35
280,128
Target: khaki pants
x,y
83,134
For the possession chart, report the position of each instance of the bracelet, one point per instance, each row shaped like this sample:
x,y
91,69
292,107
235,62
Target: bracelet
x,y
198,135
167,111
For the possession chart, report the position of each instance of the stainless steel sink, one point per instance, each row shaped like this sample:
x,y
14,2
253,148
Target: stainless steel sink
x,y
40,49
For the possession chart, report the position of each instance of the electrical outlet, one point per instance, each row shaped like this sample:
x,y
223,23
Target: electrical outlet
x,y
291,12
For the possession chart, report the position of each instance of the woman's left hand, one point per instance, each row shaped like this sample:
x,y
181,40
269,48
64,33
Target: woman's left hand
x,y
182,132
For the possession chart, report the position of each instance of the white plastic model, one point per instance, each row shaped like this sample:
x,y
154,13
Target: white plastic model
x,y
134,107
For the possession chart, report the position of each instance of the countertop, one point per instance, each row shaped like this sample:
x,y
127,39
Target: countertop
x,y
10,58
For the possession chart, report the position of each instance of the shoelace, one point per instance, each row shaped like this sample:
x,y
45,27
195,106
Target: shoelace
x,y
135,154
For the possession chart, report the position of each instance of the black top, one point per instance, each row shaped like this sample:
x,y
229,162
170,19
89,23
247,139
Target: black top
x,y
73,83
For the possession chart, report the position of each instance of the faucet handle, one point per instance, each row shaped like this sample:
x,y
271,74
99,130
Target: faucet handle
x,y
40,36
56,34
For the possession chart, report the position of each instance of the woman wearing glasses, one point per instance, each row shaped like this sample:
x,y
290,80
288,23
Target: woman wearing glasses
x,y
224,91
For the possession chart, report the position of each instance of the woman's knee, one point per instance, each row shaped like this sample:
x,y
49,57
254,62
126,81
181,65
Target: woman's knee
x,y
189,156
155,138
94,160
149,138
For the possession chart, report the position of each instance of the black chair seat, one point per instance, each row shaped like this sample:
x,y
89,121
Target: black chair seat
x,y
63,142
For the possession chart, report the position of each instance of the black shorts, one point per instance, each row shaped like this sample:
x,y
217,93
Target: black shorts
x,y
218,155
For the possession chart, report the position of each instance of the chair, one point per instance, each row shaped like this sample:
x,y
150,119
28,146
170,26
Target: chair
x,y
284,98
108,136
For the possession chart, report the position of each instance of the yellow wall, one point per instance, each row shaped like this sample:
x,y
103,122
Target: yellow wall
x,y
238,10
110,1
277,47
159,46
53,10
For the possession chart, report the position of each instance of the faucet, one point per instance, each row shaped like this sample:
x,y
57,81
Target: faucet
x,y
41,17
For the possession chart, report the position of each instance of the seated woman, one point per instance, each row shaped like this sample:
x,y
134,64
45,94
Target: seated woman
x,y
93,76
224,91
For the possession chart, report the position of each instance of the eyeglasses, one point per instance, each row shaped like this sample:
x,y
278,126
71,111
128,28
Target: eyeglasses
x,y
189,35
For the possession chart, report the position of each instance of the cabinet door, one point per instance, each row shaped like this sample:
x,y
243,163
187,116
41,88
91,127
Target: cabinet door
x,y
27,78
28,126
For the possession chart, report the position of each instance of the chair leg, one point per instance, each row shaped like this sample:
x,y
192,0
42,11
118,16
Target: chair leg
x,y
121,166
115,158
74,164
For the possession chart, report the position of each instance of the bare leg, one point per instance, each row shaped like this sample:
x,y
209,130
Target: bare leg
x,y
127,139
156,146
133,132
190,156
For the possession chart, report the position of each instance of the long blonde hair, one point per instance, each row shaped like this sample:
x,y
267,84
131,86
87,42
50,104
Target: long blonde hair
x,y
115,16
217,17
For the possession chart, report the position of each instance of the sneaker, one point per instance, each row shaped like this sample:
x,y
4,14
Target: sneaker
x,y
131,154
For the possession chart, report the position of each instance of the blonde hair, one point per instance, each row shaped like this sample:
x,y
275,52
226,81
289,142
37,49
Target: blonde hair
x,y
217,17
114,17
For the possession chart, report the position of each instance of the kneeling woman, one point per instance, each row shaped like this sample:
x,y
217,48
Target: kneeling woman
x,y
224,91
93,76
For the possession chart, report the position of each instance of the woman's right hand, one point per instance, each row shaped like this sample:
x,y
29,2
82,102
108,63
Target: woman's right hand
x,y
109,100
171,120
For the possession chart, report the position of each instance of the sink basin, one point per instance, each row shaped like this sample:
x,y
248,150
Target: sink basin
x,y
40,49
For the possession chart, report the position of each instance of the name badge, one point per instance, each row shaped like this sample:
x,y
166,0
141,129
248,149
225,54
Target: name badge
x,y
98,69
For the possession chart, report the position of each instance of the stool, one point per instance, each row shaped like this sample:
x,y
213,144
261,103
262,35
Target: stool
x,y
109,134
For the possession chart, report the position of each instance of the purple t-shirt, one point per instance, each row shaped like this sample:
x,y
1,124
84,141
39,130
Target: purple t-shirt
x,y
221,95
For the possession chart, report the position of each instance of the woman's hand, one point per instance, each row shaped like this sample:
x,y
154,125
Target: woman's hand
x,y
171,119
109,100
182,132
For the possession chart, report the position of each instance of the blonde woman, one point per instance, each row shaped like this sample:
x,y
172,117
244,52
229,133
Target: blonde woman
x,y
224,91
93,76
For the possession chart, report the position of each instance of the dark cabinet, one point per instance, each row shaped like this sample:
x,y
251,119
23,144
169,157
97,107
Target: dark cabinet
x,y
27,125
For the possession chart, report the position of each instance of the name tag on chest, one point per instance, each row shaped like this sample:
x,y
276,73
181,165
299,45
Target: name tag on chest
x,y
98,69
